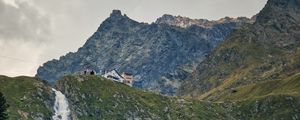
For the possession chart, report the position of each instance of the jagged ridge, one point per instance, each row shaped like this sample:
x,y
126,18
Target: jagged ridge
x,y
187,22
149,51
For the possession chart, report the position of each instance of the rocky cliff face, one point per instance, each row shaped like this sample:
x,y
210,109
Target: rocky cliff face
x,y
266,51
148,51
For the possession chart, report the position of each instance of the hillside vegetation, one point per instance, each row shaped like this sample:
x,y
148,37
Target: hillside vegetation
x,y
93,97
28,98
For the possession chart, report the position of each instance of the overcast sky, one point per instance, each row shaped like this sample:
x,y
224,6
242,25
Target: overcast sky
x,y
35,31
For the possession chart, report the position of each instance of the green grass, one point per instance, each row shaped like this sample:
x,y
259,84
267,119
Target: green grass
x,y
119,101
26,97
288,86
271,107
90,94
92,98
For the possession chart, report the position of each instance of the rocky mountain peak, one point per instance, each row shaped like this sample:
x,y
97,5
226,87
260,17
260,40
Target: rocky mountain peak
x,y
117,21
116,13
279,16
282,11
284,3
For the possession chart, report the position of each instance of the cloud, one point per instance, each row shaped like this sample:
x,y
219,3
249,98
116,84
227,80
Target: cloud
x,y
21,21
24,32
19,58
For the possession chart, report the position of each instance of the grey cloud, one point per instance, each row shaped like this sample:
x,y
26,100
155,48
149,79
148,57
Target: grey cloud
x,y
22,23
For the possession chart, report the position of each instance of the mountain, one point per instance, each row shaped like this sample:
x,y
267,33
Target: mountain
x,y
253,74
186,22
93,98
256,61
28,98
156,54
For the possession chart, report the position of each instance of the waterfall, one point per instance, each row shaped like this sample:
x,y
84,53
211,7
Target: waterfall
x,y
61,106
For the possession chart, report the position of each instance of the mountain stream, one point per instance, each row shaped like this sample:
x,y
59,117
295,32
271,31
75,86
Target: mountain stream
x,y
61,106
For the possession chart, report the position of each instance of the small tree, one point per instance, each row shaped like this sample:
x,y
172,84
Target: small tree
x,y
3,107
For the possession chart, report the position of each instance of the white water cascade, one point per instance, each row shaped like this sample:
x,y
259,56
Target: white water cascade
x,y
61,106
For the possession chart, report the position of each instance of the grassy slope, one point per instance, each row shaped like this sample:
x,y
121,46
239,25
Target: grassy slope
x,y
278,99
26,97
289,86
271,107
93,97
256,67
96,97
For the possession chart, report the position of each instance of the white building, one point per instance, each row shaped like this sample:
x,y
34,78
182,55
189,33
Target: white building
x,y
113,75
125,78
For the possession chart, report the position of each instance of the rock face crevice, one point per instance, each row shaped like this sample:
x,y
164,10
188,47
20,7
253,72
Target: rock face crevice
x,y
156,54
